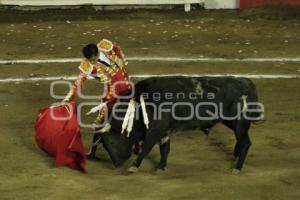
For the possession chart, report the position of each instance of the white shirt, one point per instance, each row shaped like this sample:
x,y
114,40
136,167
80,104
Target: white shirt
x,y
103,58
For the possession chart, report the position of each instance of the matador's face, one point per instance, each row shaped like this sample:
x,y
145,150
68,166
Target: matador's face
x,y
94,59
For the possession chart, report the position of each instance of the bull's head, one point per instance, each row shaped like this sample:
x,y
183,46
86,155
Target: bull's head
x,y
118,147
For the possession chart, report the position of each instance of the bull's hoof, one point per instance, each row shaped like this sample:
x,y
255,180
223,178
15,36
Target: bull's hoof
x,y
133,169
159,170
236,171
206,131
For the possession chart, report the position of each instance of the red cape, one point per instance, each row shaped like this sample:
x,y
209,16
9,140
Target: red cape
x,y
57,132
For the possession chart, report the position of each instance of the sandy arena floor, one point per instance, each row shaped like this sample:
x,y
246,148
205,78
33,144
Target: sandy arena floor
x,y
199,166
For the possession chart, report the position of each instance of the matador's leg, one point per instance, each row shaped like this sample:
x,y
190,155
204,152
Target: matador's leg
x,y
100,124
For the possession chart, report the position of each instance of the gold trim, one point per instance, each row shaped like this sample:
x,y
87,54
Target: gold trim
x,y
86,67
105,45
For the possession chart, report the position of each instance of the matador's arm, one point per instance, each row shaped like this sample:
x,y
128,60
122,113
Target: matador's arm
x,y
85,69
75,87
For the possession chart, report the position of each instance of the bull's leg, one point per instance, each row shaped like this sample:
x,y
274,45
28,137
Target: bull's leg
x,y
146,148
236,151
232,125
164,152
243,144
92,152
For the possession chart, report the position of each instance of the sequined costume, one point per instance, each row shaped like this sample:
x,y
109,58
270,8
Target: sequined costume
x,y
108,70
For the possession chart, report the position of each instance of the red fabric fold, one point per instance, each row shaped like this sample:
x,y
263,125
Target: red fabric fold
x,y
57,132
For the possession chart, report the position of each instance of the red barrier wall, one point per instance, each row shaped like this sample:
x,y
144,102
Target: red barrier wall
x,y
249,3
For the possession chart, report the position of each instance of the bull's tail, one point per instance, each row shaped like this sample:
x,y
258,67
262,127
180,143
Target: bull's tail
x,y
258,116
251,108
249,100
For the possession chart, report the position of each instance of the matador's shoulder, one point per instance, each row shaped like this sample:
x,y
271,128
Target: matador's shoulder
x,y
85,66
105,45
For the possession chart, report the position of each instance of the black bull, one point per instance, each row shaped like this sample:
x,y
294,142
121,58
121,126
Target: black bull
x,y
236,98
